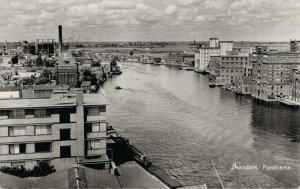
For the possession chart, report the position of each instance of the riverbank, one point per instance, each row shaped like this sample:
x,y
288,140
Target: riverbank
x,y
182,124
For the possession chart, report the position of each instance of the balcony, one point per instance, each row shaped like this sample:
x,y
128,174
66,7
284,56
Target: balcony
x,y
29,120
25,138
96,152
99,117
28,156
96,135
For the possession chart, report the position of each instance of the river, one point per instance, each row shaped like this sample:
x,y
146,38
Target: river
x,y
182,124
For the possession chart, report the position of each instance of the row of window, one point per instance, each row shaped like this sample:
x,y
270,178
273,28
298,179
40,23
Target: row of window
x,y
96,110
21,113
47,147
21,130
21,148
223,58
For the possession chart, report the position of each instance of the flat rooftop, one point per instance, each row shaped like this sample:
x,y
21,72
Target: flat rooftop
x,y
91,99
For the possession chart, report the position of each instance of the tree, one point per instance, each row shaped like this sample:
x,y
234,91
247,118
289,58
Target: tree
x,y
87,74
46,73
14,60
96,64
43,81
39,60
27,81
40,170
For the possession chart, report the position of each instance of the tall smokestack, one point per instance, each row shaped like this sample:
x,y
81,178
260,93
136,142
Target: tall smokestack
x,y
60,44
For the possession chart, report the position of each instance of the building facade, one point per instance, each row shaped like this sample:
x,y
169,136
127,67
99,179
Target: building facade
x,y
65,129
202,57
232,67
273,73
225,46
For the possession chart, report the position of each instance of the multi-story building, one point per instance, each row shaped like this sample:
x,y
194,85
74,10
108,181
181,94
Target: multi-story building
x,y
214,65
203,55
225,46
232,67
273,73
65,129
294,46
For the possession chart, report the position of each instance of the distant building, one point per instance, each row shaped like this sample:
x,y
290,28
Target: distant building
x,y
225,46
5,61
45,47
273,73
67,129
243,85
215,65
182,58
232,67
294,46
203,55
213,42
67,71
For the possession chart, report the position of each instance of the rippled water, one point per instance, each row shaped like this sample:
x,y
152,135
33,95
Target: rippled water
x,y
181,124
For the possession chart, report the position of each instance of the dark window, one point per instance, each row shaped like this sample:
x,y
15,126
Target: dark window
x,y
65,151
3,113
41,113
102,109
17,113
29,112
64,117
22,148
43,147
65,134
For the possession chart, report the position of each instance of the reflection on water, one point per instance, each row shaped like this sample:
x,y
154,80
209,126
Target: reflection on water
x,y
181,123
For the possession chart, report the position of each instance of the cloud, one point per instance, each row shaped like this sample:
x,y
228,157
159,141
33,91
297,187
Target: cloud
x,y
171,10
155,19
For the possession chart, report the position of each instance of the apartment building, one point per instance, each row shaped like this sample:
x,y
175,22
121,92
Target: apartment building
x,y
65,129
232,67
273,73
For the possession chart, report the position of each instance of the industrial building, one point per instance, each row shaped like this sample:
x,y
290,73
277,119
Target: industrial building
x,y
273,73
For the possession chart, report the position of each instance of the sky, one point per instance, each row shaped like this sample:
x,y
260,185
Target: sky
x,y
150,20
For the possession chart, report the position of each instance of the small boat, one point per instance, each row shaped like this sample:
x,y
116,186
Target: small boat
x,y
186,68
118,87
212,84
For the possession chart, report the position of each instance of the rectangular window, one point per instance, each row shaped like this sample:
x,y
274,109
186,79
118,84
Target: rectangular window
x,y
41,113
94,144
93,111
42,129
102,109
16,131
95,127
43,147
17,113
17,148
65,134
3,113
29,112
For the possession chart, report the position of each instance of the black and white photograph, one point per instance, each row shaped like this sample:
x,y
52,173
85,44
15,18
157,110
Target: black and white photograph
x,y
160,94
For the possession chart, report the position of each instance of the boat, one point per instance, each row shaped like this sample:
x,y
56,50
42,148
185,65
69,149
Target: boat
x,y
186,68
118,87
204,72
212,84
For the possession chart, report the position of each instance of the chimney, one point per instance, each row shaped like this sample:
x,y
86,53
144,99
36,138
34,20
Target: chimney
x,y
60,44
